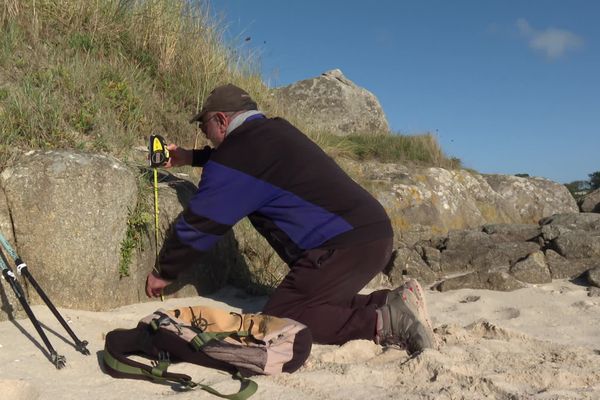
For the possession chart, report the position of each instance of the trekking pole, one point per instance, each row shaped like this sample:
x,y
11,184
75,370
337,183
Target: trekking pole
x,y
56,359
23,270
159,155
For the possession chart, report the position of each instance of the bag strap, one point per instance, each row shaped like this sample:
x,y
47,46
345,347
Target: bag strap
x,y
248,388
200,338
158,373
203,338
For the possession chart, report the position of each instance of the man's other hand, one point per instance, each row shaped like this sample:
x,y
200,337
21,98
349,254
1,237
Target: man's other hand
x,y
155,285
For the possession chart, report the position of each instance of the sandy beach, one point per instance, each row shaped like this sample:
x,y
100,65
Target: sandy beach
x,y
541,342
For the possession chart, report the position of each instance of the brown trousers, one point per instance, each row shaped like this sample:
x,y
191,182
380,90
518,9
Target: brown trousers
x,y
321,289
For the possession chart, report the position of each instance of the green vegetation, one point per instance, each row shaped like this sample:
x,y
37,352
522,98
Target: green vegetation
x,y
594,180
137,224
136,227
580,188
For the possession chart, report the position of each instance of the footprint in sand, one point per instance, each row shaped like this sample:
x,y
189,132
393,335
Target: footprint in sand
x,y
584,305
470,299
508,313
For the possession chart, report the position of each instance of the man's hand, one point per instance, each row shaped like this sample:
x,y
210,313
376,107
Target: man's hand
x,y
178,156
155,284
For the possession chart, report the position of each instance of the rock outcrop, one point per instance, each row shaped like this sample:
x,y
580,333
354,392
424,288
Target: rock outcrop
x,y
506,256
424,202
591,202
332,103
68,212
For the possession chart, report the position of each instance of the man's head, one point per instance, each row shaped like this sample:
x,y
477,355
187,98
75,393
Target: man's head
x,y
218,109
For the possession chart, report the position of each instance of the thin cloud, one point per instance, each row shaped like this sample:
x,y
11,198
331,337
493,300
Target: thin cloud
x,y
552,42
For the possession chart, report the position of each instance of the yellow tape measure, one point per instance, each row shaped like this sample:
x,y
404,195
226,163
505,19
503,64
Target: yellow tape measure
x,y
159,155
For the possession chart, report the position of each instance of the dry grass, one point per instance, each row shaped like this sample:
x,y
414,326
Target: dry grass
x,y
421,149
103,75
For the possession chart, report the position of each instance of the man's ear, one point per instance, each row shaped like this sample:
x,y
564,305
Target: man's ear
x,y
221,117
224,121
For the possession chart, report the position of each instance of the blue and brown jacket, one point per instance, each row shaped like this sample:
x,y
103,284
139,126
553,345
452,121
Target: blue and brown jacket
x,y
293,193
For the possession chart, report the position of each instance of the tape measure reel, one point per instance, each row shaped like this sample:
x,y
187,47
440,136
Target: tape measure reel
x,y
159,155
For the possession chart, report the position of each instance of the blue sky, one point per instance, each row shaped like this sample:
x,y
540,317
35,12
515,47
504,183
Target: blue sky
x,y
507,86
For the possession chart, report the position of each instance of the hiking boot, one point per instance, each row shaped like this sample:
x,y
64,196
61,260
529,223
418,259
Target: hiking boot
x,y
413,286
399,324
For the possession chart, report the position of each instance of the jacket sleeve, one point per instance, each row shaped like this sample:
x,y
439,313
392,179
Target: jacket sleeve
x,y
225,195
201,156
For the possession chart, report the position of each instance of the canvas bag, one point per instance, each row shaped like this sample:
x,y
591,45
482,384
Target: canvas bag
x,y
243,344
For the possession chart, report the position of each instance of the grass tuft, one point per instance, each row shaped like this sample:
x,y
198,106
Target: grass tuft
x,y
421,149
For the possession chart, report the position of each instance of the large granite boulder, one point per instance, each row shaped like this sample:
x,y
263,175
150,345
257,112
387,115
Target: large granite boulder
x,y
532,198
424,202
590,202
69,215
334,104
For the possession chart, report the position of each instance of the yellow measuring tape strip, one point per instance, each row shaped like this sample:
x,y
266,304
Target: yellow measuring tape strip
x,y
159,155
